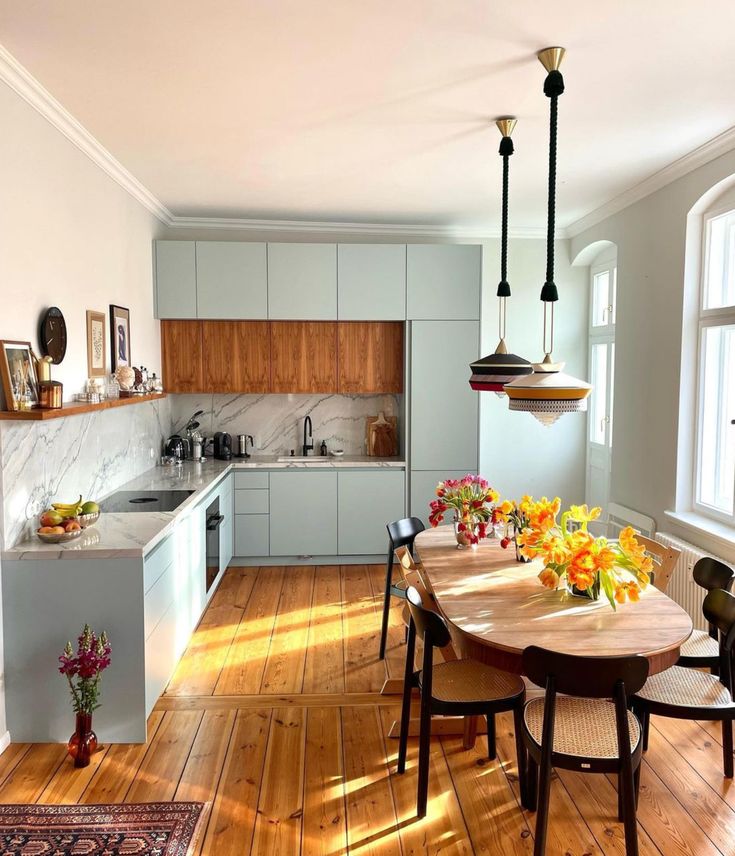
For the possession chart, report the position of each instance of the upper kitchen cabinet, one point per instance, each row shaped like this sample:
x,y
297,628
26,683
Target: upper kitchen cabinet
x,y
231,280
302,281
443,281
370,356
371,282
236,356
303,356
176,283
181,356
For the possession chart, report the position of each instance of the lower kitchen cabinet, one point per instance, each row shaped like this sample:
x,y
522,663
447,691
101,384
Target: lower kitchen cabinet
x,y
252,535
303,513
368,501
227,507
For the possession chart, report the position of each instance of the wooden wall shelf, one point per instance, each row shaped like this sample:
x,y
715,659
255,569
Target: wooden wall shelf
x,y
74,408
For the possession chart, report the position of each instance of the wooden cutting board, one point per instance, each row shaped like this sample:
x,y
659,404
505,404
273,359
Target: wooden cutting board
x,y
381,434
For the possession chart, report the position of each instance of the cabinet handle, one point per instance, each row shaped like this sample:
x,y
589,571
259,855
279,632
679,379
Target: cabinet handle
x,y
215,522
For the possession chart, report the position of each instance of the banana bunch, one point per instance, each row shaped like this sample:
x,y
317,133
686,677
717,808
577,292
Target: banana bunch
x,y
66,509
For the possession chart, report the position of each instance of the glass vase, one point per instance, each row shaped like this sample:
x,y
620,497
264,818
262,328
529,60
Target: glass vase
x,y
591,593
519,556
463,538
83,743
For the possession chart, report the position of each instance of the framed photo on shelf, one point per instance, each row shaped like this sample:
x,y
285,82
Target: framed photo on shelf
x,y
18,375
96,354
119,336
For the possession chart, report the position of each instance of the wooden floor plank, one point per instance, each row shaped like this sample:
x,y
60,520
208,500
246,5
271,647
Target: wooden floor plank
x,y
371,813
68,783
363,670
245,662
443,830
281,801
199,669
395,650
234,810
284,668
159,774
11,757
324,829
324,667
269,701
30,777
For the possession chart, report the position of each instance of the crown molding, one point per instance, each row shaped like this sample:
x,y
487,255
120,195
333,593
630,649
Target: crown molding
x,y
21,81
714,148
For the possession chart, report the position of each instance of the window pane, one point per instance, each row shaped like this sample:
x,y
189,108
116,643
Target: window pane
x,y
719,284
614,294
600,298
612,392
717,435
598,396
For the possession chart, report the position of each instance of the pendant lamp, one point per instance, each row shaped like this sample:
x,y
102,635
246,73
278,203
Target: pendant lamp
x,y
549,392
493,372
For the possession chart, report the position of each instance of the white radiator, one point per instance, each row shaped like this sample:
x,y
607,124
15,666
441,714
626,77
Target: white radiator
x,y
682,587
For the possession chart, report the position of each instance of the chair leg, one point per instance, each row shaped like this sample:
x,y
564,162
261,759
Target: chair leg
x,y
491,752
646,725
386,602
531,783
727,747
627,800
637,783
408,683
521,757
542,814
424,747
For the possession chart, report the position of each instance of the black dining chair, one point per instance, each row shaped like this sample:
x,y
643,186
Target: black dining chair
x,y
702,648
684,693
582,730
452,688
401,533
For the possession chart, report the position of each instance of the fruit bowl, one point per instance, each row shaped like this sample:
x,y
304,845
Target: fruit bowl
x,y
86,520
59,537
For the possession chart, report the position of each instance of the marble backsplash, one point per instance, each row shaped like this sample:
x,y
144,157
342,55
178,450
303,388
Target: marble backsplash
x,y
90,454
276,421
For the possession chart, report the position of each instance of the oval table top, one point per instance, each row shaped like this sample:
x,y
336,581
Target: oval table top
x,y
496,607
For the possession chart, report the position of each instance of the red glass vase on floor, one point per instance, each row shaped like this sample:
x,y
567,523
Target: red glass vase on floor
x,y
83,743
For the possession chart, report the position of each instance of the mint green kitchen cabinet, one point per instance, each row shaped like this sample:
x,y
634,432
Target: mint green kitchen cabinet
x,y
368,501
227,507
302,282
231,280
252,535
176,283
423,489
443,281
371,282
444,410
303,513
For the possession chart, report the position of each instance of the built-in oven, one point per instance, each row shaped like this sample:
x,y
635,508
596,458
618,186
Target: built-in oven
x,y
214,522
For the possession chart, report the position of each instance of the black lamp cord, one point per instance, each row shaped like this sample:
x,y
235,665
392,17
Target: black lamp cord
x,y
505,151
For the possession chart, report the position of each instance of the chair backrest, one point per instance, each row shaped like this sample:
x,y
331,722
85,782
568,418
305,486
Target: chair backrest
x,y
710,574
402,532
664,560
719,610
430,626
591,677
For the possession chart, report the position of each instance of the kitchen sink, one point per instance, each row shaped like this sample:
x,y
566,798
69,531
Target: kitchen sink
x,y
300,459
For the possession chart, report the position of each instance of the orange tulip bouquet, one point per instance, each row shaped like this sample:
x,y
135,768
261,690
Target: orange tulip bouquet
x,y
471,499
587,565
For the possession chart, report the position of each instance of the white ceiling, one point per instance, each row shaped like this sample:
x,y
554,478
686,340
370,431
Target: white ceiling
x,y
381,111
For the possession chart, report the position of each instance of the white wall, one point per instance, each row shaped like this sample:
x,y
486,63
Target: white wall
x,y
517,453
70,237
651,238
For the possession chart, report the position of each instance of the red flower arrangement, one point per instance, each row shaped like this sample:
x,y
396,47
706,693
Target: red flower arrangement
x,y
83,669
471,499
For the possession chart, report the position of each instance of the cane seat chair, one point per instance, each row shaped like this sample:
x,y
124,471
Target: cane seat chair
x,y
702,648
452,688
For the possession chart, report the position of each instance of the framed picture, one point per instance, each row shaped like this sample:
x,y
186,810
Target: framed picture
x,y
96,355
18,374
120,336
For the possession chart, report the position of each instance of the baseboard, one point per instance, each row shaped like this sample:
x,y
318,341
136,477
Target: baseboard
x,y
4,742
258,561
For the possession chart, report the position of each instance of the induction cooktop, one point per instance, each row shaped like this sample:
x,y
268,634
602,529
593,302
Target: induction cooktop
x,y
144,500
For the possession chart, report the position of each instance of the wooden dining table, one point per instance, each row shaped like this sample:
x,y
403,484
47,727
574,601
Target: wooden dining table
x,y
496,608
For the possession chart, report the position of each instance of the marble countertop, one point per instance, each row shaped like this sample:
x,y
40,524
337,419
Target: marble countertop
x,y
133,534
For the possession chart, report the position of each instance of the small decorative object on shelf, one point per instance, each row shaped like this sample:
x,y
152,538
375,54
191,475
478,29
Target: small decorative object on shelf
x,y
125,377
18,375
50,392
514,516
83,671
586,564
471,498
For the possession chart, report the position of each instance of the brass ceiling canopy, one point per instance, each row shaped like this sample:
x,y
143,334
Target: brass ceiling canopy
x,y
506,125
551,58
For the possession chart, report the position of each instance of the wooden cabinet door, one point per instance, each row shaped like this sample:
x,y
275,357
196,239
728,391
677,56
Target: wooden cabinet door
x,y
370,356
236,356
303,356
181,356
176,280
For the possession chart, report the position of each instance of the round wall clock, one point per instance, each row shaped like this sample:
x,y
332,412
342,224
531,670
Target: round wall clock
x,y
52,335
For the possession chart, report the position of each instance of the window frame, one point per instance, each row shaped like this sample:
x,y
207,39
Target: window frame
x,y
720,316
604,334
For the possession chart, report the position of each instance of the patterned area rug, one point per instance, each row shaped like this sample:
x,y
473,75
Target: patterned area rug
x,y
158,829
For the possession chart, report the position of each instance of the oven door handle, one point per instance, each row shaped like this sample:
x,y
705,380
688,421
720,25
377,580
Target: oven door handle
x,y
214,522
